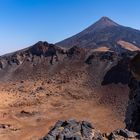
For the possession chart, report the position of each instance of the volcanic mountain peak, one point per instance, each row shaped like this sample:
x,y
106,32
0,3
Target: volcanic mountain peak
x,y
107,21
104,32
102,23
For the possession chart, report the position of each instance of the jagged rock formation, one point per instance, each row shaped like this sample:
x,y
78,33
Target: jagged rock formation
x,y
23,62
39,49
73,130
39,57
133,110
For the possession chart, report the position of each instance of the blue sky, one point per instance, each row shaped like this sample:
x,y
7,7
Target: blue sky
x,y
24,22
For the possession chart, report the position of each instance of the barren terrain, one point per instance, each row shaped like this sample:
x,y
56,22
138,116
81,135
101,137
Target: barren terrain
x,y
84,77
35,93
28,109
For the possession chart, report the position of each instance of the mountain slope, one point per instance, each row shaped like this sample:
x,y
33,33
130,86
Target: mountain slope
x,y
104,32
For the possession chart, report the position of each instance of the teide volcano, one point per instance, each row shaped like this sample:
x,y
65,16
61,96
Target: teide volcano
x,y
105,32
44,83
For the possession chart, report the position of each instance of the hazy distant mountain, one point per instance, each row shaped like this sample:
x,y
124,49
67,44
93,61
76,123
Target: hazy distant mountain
x,y
104,32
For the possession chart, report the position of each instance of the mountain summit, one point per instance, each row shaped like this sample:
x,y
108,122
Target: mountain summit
x,y
107,21
104,32
102,23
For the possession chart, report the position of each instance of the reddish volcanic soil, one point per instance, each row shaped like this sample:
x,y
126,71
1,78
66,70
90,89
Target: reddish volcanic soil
x,y
28,109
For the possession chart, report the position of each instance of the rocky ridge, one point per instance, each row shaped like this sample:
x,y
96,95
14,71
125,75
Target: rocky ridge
x,y
42,55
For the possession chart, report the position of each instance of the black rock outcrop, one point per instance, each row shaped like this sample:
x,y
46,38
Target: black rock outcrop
x,y
73,130
133,111
118,74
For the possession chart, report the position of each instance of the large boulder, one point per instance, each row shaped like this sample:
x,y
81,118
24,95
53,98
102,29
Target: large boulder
x,y
123,134
73,130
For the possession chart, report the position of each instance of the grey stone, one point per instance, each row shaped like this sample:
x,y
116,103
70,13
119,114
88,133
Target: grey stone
x,y
72,130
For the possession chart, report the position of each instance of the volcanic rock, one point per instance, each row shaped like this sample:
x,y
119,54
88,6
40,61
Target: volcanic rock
x,y
73,130
133,111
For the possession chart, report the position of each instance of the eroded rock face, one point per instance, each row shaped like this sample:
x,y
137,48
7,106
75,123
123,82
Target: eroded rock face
x,y
40,49
118,74
133,111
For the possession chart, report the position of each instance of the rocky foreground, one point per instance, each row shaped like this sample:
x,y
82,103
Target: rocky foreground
x,y
73,130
